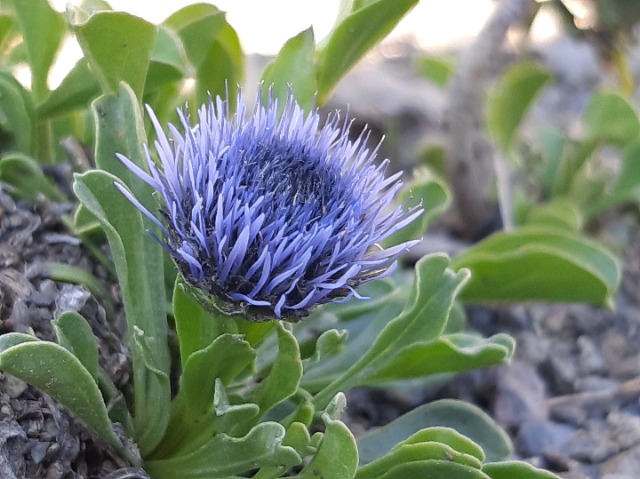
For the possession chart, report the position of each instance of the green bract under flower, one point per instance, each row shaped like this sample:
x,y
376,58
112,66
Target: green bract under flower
x,y
270,214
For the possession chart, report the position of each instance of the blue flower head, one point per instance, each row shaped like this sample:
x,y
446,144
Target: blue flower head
x,y
268,213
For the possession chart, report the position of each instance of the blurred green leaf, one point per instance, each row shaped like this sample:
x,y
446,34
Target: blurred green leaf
x,y
539,264
513,469
427,190
293,68
138,263
17,123
26,177
467,419
354,35
225,456
627,187
611,118
118,47
447,354
560,213
433,469
42,29
510,100
436,69
75,91
56,371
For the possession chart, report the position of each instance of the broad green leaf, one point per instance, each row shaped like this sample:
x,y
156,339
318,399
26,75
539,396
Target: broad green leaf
x,y
337,456
168,60
205,373
353,36
42,29
225,456
196,328
284,376
74,334
197,26
75,91
223,359
378,292
56,371
407,453
560,213
609,117
25,175
539,264
222,69
293,69
17,124
442,469
510,100
118,47
450,437
138,263
213,48
431,296
329,344
513,469
466,419
447,354
438,70
426,190
7,24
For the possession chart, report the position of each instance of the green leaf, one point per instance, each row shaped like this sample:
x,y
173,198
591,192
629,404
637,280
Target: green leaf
x,y
510,100
75,335
118,47
451,438
42,29
539,264
609,117
405,454
75,91
431,296
426,190
466,419
197,26
56,371
512,469
168,60
329,343
433,469
25,175
627,187
212,47
284,375
225,456
222,69
293,69
337,456
223,359
138,262
560,213
17,124
196,328
355,34
449,353
438,70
